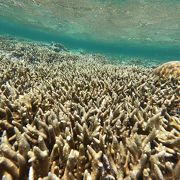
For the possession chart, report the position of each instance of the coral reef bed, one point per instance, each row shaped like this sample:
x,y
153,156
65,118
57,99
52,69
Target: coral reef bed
x,y
78,117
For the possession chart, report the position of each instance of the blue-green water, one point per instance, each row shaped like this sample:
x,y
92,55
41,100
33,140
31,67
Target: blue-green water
x,y
148,38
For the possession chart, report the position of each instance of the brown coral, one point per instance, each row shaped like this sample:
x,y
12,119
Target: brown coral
x,y
169,70
86,119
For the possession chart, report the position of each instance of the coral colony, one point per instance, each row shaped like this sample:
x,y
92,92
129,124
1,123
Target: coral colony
x,y
65,116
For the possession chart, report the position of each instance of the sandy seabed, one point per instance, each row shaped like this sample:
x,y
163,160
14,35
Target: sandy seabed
x,y
73,116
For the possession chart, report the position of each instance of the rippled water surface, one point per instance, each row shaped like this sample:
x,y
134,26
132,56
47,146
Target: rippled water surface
x,y
147,29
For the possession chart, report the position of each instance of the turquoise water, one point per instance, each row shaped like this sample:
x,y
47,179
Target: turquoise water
x,y
132,29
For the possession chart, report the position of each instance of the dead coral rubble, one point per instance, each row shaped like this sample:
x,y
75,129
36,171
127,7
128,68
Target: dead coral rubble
x,y
87,120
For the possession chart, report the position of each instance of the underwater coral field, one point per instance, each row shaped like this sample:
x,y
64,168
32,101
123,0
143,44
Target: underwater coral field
x,y
76,116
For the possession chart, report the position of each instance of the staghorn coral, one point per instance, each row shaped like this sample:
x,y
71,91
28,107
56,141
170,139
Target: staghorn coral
x,y
169,70
82,118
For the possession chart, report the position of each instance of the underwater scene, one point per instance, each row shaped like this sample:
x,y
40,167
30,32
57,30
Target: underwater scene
x,y
90,89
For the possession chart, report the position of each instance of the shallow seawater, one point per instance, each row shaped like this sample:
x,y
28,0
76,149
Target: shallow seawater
x,y
135,30
82,91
